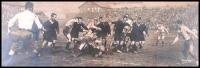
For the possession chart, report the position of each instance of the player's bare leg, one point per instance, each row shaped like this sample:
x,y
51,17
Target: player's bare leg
x,y
157,41
191,53
132,46
102,49
162,40
128,46
137,44
53,44
44,43
117,46
121,45
141,44
188,51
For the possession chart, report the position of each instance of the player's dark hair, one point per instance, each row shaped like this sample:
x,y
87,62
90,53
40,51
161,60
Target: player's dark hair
x,y
139,18
179,22
80,18
28,5
52,14
100,17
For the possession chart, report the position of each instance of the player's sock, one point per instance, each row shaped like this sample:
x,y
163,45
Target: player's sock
x,y
162,43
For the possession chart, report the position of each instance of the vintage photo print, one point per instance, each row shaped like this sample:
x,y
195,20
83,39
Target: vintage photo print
x,y
99,33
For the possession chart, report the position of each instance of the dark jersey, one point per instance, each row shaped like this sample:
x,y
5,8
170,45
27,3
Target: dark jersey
x,y
137,32
118,29
105,29
50,33
76,28
119,26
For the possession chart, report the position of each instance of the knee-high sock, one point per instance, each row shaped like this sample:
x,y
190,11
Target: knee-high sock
x,y
162,42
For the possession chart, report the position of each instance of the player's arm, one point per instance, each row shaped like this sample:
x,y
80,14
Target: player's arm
x,y
97,26
175,40
157,30
166,30
84,26
144,32
57,28
70,22
11,22
37,21
191,32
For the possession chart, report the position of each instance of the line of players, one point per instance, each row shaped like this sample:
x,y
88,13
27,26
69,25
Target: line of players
x,y
127,35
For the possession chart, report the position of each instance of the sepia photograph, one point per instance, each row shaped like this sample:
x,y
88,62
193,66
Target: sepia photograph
x,y
99,33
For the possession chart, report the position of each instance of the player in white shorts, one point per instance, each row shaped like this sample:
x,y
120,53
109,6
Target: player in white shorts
x,y
161,30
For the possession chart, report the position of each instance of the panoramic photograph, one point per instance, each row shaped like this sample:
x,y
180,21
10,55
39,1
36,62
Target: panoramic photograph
x,y
99,34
